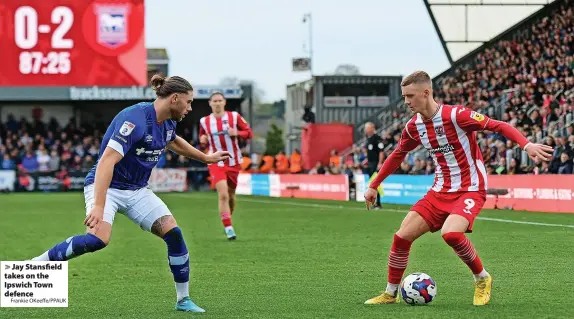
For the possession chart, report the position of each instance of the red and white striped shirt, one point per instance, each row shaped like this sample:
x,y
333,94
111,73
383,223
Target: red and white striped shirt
x,y
450,138
215,128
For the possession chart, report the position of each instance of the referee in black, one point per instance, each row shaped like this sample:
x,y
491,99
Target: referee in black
x,y
375,154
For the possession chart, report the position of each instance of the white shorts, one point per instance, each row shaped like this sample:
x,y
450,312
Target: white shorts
x,y
142,206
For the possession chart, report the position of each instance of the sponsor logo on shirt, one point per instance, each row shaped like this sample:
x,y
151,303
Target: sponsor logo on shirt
x,y
442,149
149,155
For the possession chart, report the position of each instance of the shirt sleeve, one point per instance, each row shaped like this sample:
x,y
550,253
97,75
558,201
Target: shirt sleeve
x,y
128,129
171,132
507,131
471,121
380,145
201,129
405,145
243,129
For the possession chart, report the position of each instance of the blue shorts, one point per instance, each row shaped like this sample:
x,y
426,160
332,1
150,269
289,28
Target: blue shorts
x,y
142,206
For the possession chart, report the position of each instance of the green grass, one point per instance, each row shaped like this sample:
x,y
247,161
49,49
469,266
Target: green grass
x,y
293,259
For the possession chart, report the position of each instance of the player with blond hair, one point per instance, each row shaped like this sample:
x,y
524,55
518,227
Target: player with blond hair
x,y
448,133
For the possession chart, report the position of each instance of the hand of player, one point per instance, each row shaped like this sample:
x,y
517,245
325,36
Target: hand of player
x,y
217,157
370,197
203,139
95,217
232,132
539,151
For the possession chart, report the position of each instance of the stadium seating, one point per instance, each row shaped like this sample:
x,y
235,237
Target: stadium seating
x,y
529,84
40,147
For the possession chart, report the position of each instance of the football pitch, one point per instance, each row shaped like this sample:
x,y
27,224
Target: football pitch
x,y
293,259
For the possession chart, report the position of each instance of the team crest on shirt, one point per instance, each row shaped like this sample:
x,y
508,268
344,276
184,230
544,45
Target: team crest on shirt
x,y
476,116
169,135
127,128
439,130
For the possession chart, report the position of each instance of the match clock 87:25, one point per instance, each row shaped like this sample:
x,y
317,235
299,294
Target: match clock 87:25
x,y
27,29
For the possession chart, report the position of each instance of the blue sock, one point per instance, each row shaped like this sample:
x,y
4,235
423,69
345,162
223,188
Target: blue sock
x,y
75,246
177,255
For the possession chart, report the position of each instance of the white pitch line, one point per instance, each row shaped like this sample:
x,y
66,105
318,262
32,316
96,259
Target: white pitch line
x,y
523,222
291,203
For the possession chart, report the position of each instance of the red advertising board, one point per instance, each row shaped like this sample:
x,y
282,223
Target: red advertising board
x,y
334,187
72,43
538,193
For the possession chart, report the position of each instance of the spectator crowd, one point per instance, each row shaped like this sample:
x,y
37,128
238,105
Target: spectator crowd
x,y
527,83
36,146
32,146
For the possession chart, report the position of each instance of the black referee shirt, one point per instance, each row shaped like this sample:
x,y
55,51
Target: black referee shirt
x,y
374,146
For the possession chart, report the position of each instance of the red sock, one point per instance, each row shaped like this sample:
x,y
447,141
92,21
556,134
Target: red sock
x,y
398,259
226,219
465,250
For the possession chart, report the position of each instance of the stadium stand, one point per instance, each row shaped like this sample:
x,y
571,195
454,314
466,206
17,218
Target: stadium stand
x,y
529,84
36,147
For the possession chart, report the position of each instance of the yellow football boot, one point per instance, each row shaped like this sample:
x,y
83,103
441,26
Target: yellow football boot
x,y
385,298
482,290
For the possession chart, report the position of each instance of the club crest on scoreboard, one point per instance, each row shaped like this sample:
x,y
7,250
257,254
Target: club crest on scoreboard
x,y
112,25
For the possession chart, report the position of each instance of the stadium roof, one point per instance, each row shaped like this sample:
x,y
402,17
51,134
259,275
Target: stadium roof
x,y
157,56
464,25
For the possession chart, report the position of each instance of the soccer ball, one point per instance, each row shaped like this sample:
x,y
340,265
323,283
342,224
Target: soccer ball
x,y
418,289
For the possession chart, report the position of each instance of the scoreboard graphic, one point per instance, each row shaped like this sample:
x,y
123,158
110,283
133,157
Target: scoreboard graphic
x,y
72,43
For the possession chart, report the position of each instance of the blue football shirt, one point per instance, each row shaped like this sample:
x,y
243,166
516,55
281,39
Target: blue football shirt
x,y
136,134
